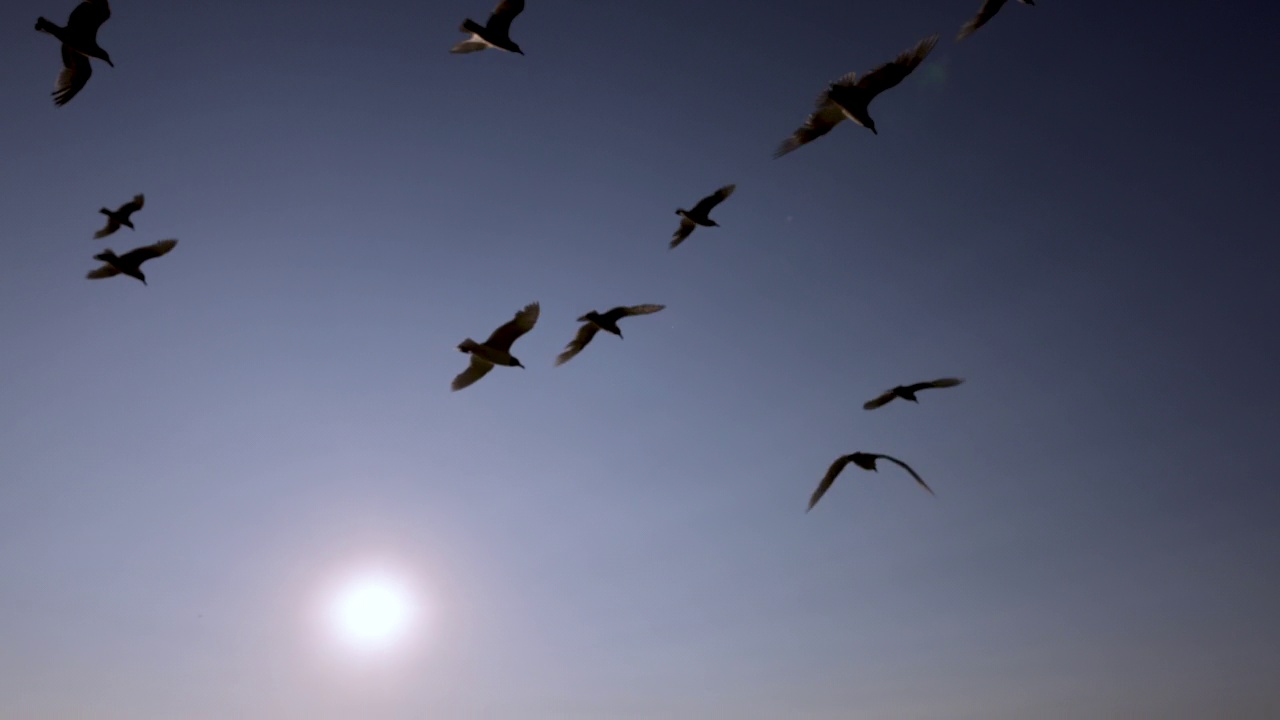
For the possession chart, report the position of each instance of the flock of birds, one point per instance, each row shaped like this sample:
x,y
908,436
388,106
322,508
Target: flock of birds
x,y
848,98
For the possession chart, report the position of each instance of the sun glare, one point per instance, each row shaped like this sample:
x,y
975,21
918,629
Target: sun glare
x,y
372,611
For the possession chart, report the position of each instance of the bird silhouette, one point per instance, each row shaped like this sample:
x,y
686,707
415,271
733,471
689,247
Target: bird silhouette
x,y
116,218
849,97
496,33
908,392
866,461
594,322
690,219
985,13
497,349
131,262
79,43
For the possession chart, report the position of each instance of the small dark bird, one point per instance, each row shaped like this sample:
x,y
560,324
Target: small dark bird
x,y
908,392
79,43
985,13
689,219
116,218
131,262
866,461
497,349
849,97
594,322
493,34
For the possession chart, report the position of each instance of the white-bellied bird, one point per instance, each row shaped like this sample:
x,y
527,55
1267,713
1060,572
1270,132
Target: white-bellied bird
x,y
496,33
497,349
79,43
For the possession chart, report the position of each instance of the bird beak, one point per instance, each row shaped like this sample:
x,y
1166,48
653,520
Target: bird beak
x,y
874,131
109,62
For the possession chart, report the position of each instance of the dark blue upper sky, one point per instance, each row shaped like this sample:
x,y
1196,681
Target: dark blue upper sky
x,y
1072,209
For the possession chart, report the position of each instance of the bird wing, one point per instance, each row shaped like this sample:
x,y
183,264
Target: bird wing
x,y
880,401
500,19
105,271
827,479
907,467
74,76
941,383
469,46
132,206
627,311
896,70
476,370
579,341
824,117
682,232
705,204
522,323
985,13
137,256
111,227
88,17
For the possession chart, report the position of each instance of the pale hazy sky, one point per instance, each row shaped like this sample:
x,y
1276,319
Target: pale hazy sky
x,y
1073,210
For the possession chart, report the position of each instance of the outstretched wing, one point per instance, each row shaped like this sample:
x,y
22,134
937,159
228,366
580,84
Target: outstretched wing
x,y
682,232
579,341
132,206
74,76
523,322
895,71
476,370
469,46
826,115
705,204
907,467
939,383
829,478
105,271
985,13
626,311
87,18
500,21
111,227
140,255
880,401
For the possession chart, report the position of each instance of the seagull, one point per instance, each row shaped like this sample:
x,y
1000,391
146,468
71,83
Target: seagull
x,y
866,461
689,219
848,97
493,34
908,392
79,43
985,13
594,322
131,262
497,349
119,217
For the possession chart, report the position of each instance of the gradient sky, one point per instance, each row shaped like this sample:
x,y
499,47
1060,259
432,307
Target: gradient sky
x,y
1073,210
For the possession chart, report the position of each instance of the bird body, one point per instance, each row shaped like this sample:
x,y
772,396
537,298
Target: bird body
x,y
594,322
908,392
496,33
497,349
131,262
120,216
866,461
79,43
985,13
700,214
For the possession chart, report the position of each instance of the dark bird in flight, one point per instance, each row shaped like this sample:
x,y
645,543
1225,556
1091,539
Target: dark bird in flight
x,y
988,11
116,218
908,392
497,349
689,219
866,461
131,262
79,43
594,322
849,97
494,34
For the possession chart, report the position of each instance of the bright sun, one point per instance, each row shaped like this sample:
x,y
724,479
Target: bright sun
x,y
372,611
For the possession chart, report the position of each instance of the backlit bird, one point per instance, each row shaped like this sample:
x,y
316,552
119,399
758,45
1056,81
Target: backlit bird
x,y
985,13
116,218
594,322
496,33
690,219
849,97
79,43
866,461
131,262
908,392
497,349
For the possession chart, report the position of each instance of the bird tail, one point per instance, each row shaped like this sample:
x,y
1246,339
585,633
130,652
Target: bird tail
x,y
468,345
471,26
105,256
45,26
105,211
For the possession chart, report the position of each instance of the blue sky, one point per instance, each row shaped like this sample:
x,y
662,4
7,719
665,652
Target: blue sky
x,y
1072,210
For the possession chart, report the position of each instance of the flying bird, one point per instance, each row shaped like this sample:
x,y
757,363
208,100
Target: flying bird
x,y
594,322
497,349
116,218
908,392
79,43
689,219
985,13
849,98
496,33
866,461
131,262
